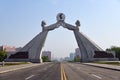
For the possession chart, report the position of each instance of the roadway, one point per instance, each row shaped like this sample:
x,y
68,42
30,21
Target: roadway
x,y
48,71
75,71
52,71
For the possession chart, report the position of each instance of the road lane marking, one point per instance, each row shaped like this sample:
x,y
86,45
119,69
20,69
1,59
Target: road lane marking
x,y
29,77
61,71
78,68
96,76
63,75
71,64
50,65
44,69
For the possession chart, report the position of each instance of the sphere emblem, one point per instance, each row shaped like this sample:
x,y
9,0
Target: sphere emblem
x,y
60,17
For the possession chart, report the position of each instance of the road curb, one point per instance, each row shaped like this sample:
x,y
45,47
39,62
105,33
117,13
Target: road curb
x,y
102,67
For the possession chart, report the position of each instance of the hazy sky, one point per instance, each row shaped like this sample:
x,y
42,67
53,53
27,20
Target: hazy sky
x,y
20,22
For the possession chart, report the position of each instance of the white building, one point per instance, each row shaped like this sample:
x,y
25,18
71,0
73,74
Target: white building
x,y
8,48
67,58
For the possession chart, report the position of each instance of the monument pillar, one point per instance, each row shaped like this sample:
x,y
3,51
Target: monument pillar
x,y
34,47
81,46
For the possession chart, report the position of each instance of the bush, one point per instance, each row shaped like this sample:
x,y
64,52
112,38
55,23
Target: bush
x,y
45,59
3,55
77,59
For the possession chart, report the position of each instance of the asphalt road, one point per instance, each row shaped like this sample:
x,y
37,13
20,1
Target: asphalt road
x,y
53,71
49,71
76,71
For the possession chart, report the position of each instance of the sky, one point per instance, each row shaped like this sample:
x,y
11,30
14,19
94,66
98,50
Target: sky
x,y
20,21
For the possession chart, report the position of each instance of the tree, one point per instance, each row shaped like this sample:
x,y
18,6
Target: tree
x,y
116,49
45,59
3,55
77,59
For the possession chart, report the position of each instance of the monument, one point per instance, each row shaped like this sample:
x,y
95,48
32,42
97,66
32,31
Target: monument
x,y
33,49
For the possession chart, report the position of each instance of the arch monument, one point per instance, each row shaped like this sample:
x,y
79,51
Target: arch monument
x,y
34,48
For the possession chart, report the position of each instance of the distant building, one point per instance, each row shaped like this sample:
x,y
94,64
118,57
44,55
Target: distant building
x,y
47,53
61,59
72,55
67,58
77,52
9,49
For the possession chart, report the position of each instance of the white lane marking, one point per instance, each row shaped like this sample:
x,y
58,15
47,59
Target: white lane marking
x,y
50,65
47,67
29,77
71,64
44,69
78,68
96,76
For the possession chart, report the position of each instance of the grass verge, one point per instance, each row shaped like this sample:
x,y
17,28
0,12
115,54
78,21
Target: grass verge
x,y
15,63
109,63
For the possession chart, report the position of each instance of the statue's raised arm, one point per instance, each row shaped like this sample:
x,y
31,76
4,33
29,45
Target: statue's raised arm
x,y
71,27
60,22
50,27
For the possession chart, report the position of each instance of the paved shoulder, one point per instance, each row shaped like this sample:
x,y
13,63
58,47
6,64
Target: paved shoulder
x,y
112,67
16,67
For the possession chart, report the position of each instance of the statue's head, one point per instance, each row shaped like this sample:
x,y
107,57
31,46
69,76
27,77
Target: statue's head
x,y
43,23
60,17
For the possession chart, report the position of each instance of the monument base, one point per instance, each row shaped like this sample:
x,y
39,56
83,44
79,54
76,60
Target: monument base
x,y
17,60
36,60
24,60
102,59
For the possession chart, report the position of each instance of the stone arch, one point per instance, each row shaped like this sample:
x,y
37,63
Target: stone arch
x,y
34,47
86,46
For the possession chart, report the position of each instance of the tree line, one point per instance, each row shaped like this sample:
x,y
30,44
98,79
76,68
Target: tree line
x,y
3,55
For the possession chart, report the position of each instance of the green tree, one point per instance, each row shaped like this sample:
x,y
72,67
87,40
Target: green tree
x,y
45,59
3,55
116,49
77,59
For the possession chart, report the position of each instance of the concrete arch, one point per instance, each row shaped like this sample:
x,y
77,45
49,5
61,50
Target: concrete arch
x,y
86,46
34,47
